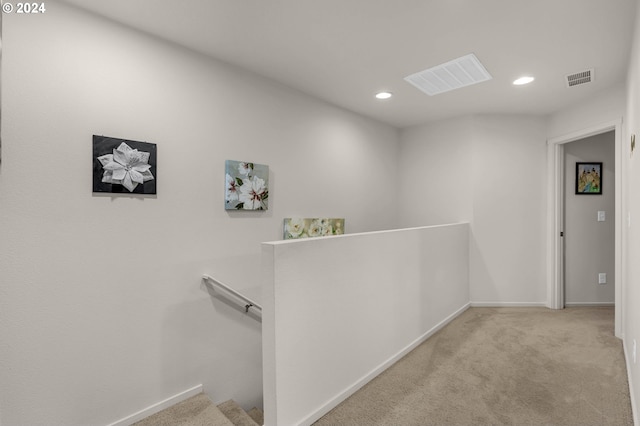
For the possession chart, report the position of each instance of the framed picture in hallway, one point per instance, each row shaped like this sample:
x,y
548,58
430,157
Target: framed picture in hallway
x,y
246,186
123,166
589,178
295,228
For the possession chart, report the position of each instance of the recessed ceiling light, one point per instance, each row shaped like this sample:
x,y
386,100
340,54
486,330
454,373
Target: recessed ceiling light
x,y
384,95
523,80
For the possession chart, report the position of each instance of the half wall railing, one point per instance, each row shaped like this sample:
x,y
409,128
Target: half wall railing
x,y
340,310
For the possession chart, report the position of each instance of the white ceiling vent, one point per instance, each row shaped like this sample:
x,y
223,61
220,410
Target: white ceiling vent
x,y
454,74
581,77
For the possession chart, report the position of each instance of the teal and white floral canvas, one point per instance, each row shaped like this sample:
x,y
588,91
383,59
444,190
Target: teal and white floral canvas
x,y
247,186
312,227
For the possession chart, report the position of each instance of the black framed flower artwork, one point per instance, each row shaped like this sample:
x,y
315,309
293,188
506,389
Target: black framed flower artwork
x,y
124,166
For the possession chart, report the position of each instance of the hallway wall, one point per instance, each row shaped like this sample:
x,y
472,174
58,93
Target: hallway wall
x,y
435,170
102,309
488,170
631,233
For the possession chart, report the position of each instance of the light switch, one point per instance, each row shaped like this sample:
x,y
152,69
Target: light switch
x,y
602,278
601,216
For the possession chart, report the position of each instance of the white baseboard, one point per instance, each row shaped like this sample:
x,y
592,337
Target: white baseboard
x,y
155,408
333,402
589,304
634,408
508,305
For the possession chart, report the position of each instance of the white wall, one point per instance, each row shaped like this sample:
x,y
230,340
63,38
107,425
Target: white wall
x,y
507,246
332,325
102,309
489,170
435,173
607,106
589,244
631,197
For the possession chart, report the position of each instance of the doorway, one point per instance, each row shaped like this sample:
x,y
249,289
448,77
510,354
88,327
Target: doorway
x,y
589,225
555,215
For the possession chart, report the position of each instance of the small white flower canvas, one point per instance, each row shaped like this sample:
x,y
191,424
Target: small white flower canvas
x,y
295,228
246,186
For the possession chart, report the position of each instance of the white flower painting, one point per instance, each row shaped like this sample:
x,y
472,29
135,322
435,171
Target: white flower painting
x,y
246,186
123,166
312,227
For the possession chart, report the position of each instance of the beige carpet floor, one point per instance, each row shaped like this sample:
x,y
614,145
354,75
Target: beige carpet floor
x,y
503,366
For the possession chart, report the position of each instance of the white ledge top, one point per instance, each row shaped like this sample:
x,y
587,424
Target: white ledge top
x,y
386,231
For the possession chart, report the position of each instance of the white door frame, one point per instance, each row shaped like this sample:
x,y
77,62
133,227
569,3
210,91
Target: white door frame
x,y
555,201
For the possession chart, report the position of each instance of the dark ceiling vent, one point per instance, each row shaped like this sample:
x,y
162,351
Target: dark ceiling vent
x,y
581,77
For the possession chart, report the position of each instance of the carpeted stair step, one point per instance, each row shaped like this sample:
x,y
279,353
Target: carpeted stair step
x,y
257,415
195,411
236,414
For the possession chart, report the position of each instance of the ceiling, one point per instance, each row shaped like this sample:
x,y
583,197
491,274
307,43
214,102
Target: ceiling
x,y
344,51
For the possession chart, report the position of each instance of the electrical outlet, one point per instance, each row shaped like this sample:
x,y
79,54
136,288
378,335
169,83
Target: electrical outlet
x,y
601,216
602,278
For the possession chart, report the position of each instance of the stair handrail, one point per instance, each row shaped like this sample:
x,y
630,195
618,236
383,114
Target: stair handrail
x,y
248,303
